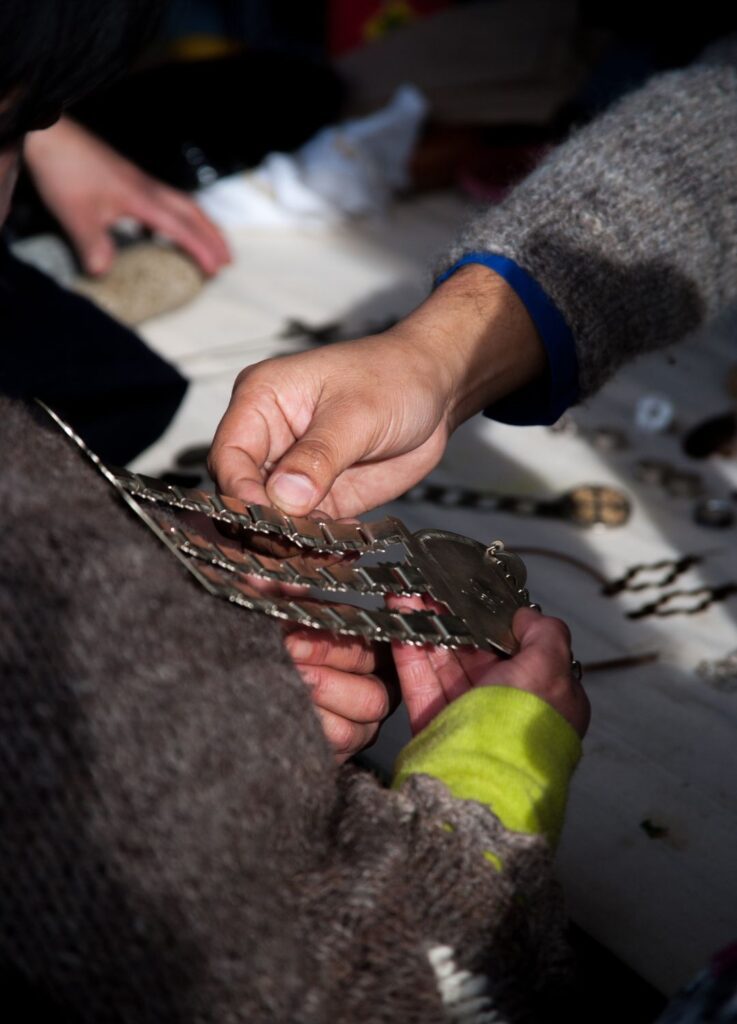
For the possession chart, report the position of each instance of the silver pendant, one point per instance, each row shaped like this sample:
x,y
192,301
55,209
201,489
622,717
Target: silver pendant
x,y
479,587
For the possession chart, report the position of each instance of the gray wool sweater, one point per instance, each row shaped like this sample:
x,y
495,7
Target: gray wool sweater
x,y
631,225
175,842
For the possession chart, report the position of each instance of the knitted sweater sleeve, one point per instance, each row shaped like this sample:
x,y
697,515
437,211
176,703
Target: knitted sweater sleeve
x,y
630,227
505,748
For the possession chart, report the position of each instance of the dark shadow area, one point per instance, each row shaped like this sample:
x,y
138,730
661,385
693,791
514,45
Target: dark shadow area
x,y
605,989
96,373
188,123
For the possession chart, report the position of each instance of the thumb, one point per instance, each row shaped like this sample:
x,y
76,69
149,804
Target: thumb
x,y
95,248
336,438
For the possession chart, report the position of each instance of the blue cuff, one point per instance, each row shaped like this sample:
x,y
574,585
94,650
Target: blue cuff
x,y
546,399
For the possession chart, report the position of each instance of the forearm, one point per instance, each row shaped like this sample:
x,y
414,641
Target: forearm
x,y
630,227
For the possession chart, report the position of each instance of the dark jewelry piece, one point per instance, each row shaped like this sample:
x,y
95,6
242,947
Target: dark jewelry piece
x,y
609,439
680,483
716,512
639,577
480,586
713,436
685,602
626,661
583,506
721,673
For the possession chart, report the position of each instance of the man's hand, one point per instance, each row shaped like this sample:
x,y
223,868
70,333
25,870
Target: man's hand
x,y
345,427
355,424
432,678
88,187
351,700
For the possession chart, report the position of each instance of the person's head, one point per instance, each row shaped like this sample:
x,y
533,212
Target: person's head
x,y
52,52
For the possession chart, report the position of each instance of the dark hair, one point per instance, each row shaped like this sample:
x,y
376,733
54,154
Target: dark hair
x,y
52,52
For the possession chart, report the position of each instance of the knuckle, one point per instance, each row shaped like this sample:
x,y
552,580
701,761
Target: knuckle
x,y
559,629
314,679
341,734
374,702
258,377
245,377
362,659
321,650
539,667
313,453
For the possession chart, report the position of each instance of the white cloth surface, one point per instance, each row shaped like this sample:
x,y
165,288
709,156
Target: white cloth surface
x,y
345,170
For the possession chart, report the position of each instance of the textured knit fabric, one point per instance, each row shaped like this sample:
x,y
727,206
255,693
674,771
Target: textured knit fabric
x,y
175,843
505,748
631,226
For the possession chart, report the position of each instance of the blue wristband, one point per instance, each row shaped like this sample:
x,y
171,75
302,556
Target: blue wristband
x,y
546,399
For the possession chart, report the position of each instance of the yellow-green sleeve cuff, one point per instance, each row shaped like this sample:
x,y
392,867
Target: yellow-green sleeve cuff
x,y
502,747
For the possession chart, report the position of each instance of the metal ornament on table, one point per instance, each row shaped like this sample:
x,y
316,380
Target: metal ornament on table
x,y
585,505
720,673
480,586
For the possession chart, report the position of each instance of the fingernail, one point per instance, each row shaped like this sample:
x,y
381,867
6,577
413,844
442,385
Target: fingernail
x,y
300,649
293,492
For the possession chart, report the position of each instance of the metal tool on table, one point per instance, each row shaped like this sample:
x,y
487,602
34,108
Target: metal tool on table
x,y
480,586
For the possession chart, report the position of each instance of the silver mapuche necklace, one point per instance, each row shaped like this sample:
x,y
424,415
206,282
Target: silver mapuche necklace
x,y
480,586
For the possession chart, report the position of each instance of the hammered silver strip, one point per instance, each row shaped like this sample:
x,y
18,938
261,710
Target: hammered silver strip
x,y
375,624
385,578
319,535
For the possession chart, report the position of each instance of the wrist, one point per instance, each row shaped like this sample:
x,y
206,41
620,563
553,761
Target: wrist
x,y
478,339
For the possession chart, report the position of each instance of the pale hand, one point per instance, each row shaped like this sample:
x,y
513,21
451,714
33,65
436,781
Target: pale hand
x,y
348,427
432,678
350,698
89,187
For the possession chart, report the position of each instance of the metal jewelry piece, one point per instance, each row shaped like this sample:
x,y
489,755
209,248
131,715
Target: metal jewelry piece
x,y
480,586
721,673
576,670
652,574
685,602
714,436
609,439
714,512
679,483
654,413
583,506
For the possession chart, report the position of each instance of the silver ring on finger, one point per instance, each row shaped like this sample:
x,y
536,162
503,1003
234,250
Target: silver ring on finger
x,y
576,670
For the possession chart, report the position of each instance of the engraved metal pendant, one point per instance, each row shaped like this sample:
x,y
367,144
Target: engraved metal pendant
x,y
478,587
